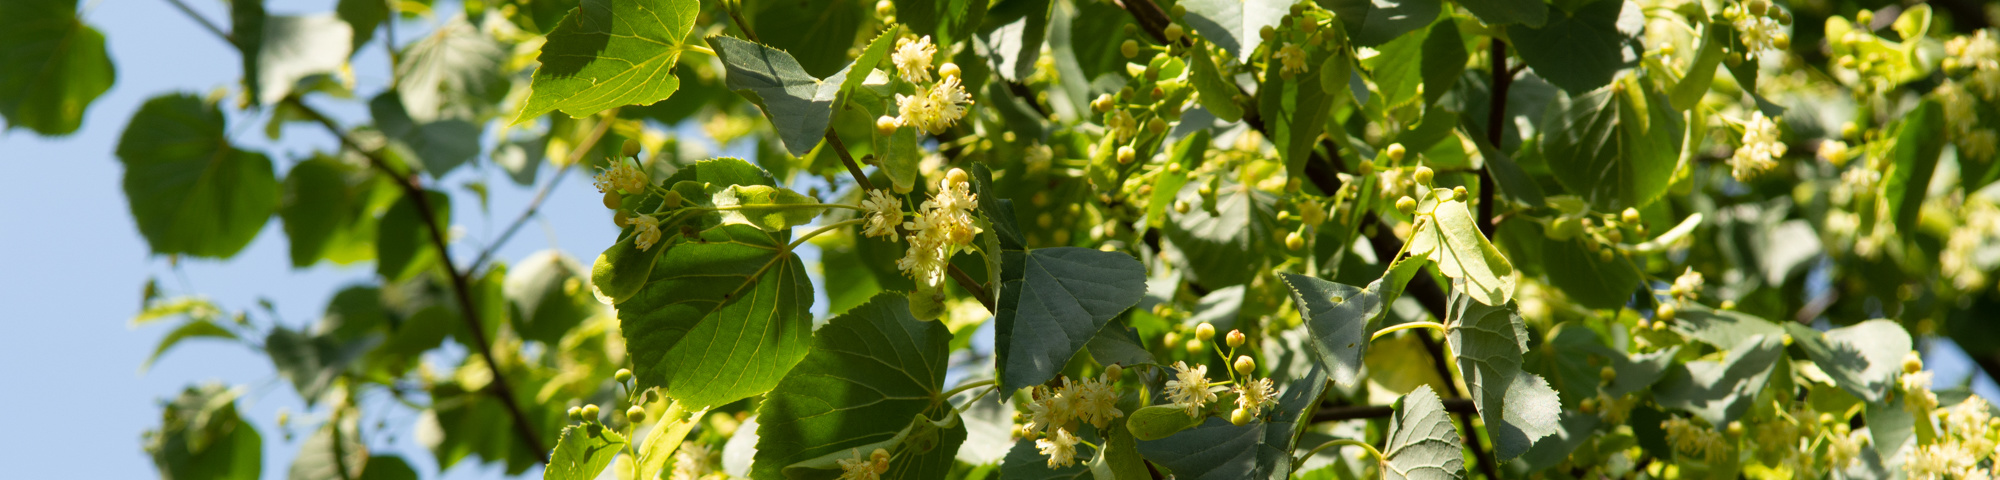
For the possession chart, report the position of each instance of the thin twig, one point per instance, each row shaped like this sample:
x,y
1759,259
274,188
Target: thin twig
x,y
225,36
1496,119
848,159
974,287
413,188
735,8
535,206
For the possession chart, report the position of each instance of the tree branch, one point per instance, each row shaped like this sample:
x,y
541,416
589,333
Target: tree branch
x,y
413,188
535,206
225,36
1350,412
1150,17
848,159
1496,119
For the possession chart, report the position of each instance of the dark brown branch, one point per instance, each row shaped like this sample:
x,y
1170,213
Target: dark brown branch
x,y
1496,121
413,188
846,158
1350,412
535,206
1150,17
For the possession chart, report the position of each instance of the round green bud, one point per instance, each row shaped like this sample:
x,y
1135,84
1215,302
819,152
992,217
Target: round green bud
x,y
1245,365
1665,313
1406,205
1424,175
1126,154
1588,405
1659,326
1157,126
1180,206
590,413
1178,11
1267,33
618,219
631,147
1865,19
1605,255
1614,236
576,414
1458,192
1826,419
948,70
1131,30
1193,346
1728,305
1607,374
1129,49
1395,152
1235,338
622,375
1630,215
1294,241
1367,168
611,200
1758,7
1175,31
1284,215
1204,331
1781,41
1112,372
1241,417
635,414
886,125
1171,339
1735,429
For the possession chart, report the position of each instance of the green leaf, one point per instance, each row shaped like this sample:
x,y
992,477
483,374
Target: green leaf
x,y
799,105
196,328
1340,318
1891,427
1912,159
666,437
873,380
902,159
362,17
817,32
1580,355
1422,441
1721,328
770,208
1865,358
191,192
998,211
1701,73
1232,24
202,436
403,243
440,145
1577,428
1119,344
1188,154
1487,342
1294,110
1398,70
334,452
1214,249
1053,300
317,209
388,467
583,452
1721,392
1218,93
1587,279
1513,181
877,51
549,295
1452,240
1375,22
1260,449
295,47
1443,61
722,317
949,21
1529,13
52,66
611,53
452,73
1119,458
1582,51
1155,422
1616,148
1015,36
312,361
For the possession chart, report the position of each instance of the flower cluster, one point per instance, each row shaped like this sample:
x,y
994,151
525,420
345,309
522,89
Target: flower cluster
x,y
1979,53
1687,287
885,212
1960,261
913,58
1293,60
942,225
1091,400
1966,439
623,176
1760,150
1760,33
1190,388
1692,439
646,230
859,468
691,463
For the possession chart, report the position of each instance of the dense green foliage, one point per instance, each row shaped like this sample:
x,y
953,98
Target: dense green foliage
x,y
1204,239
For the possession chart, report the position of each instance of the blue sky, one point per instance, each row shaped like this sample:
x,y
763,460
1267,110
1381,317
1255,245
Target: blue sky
x,y
74,402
